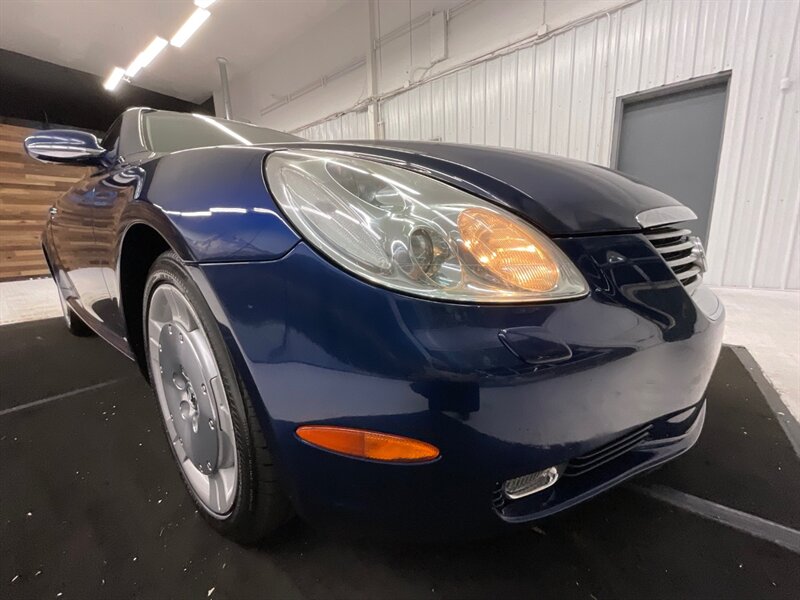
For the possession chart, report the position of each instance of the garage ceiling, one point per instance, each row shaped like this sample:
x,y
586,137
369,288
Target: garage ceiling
x,y
96,36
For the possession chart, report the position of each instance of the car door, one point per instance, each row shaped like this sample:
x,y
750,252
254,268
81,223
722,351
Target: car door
x,y
81,253
71,225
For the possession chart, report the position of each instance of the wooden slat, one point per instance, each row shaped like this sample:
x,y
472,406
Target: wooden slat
x,y
27,190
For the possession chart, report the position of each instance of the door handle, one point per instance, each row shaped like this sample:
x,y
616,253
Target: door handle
x,y
53,212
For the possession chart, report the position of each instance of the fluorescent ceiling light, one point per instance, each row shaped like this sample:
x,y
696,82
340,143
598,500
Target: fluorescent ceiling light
x,y
146,57
113,80
187,29
221,127
134,67
203,3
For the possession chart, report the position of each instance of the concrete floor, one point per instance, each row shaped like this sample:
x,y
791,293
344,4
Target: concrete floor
x,y
28,300
767,323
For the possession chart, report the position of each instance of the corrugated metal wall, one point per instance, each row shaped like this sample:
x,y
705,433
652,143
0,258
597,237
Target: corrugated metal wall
x,y
349,126
559,96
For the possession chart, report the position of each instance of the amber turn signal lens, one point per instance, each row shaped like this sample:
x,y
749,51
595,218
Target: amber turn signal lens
x,y
507,250
367,444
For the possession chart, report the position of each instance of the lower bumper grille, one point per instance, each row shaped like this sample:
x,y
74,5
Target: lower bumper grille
x,y
591,460
606,453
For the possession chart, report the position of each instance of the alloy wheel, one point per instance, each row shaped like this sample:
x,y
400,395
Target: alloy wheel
x,y
192,397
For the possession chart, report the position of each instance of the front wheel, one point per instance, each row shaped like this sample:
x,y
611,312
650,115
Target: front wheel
x,y
210,424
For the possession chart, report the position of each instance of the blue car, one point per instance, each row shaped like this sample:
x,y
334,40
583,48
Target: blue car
x,y
409,338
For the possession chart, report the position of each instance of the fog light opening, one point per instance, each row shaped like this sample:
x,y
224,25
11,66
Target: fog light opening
x,y
519,487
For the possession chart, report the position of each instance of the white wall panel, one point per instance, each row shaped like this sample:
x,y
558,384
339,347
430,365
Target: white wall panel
x,y
559,96
792,264
425,123
543,97
595,150
782,196
581,108
463,105
683,40
629,57
526,103
713,27
606,118
401,120
351,126
740,58
655,43
477,125
756,193
562,93
450,103
437,109
494,80
414,115
508,100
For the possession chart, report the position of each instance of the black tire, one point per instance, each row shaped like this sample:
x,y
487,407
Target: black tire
x,y
260,506
76,326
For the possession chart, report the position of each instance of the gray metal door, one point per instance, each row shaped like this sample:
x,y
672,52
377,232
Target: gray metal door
x,y
672,143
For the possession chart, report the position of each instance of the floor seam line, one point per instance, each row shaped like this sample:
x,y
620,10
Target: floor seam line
x,y
49,399
756,526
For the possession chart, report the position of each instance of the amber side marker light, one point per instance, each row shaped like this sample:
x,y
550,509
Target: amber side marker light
x,y
367,444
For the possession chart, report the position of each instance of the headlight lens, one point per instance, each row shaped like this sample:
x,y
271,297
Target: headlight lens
x,y
412,233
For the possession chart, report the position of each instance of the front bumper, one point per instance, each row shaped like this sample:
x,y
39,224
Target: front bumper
x,y
318,346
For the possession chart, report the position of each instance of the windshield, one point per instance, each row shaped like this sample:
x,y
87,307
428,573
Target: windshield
x,y
171,131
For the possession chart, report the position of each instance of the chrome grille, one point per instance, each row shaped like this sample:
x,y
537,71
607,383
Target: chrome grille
x,y
681,250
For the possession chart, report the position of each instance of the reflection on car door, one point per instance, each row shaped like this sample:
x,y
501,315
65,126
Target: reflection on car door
x,y
83,245
71,225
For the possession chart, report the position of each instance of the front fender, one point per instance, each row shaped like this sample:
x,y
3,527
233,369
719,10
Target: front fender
x,y
216,201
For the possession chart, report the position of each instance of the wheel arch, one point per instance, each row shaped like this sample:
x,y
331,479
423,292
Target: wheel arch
x,y
140,246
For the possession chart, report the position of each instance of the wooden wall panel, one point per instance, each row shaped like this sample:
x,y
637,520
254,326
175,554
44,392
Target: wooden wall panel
x,y
27,190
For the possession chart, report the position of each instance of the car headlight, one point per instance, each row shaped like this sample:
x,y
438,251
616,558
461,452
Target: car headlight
x,y
414,234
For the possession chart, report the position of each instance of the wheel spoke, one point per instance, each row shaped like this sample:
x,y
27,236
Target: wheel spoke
x,y
228,479
224,418
227,452
173,304
181,453
154,347
180,310
216,492
198,339
155,325
159,313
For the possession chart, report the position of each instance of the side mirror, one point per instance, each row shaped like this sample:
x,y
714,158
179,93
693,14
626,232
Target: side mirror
x,y
65,146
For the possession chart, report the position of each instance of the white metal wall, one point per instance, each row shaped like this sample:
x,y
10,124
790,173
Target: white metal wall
x,y
349,126
559,96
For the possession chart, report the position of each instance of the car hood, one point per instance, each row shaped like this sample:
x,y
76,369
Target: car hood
x,y
560,195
